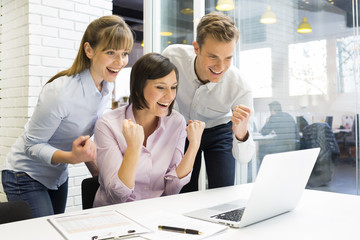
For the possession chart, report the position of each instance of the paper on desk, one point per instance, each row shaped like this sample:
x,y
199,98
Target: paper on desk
x,y
175,220
103,224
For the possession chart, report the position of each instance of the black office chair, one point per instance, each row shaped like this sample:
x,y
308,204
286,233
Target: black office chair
x,y
89,187
321,135
14,211
350,140
329,120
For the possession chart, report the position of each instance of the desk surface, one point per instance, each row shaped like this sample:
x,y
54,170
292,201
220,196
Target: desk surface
x,y
319,215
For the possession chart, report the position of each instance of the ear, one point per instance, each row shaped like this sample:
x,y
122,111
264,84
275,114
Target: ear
x,y
196,47
88,50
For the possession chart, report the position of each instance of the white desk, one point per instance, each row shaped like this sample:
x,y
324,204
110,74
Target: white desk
x,y
319,215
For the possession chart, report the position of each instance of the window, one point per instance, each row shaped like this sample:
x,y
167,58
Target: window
x,y
307,68
253,60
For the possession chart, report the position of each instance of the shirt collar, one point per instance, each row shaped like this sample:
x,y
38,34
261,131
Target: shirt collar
x,y
209,85
89,85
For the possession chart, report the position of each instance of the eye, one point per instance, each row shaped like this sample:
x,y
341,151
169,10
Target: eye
x,y
159,87
174,88
125,54
110,52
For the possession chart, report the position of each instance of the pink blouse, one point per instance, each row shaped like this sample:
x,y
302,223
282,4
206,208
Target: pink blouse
x,y
156,173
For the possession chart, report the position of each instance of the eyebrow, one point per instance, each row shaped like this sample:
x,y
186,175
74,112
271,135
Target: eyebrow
x,y
163,83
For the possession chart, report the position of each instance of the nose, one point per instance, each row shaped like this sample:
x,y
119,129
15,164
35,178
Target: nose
x,y
170,93
219,65
121,60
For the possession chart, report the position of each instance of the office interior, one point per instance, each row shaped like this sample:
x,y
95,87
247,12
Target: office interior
x,y
300,53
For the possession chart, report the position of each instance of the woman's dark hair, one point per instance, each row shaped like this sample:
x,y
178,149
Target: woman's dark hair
x,y
149,67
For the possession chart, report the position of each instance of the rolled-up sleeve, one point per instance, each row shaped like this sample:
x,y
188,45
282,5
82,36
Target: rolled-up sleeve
x,y
109,159
173,183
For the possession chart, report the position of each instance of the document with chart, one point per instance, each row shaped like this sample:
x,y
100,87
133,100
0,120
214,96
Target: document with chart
x,y
97,225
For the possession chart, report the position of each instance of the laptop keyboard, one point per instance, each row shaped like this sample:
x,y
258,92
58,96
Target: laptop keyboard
x,y
233,215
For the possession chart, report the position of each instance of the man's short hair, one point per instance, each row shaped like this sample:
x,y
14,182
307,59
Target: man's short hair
x,y
218,26
276,106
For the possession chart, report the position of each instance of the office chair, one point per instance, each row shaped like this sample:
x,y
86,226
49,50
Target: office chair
x,y
350,140
321,135
329,120
14,211
89,187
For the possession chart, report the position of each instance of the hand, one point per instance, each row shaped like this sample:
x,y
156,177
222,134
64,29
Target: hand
x,y
240,119
133,133
83,150
194,131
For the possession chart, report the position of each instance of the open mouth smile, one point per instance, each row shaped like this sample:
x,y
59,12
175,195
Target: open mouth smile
x,y
163,104
214,72
113,70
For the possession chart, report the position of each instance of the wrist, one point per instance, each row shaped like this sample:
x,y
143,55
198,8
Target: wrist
x,y
245,138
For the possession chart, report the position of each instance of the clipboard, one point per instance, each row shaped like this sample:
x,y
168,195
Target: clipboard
x,y
97,226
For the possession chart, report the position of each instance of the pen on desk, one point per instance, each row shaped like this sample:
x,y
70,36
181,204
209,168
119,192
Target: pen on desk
x,y
179,230
110,237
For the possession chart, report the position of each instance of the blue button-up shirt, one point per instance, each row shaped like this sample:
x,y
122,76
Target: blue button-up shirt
x,y
67,108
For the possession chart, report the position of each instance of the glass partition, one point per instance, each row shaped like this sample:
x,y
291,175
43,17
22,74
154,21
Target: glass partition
x,y
304,71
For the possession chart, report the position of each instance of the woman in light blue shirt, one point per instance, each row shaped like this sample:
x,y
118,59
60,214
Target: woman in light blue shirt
x,y
59,130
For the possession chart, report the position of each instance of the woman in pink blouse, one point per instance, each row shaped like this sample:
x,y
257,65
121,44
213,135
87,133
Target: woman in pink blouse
x,y
141,145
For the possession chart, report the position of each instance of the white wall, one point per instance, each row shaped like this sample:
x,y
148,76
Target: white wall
x,y
39,38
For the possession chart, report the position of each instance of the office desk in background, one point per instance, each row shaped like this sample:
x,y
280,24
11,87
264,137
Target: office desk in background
x,y
319,215
259,139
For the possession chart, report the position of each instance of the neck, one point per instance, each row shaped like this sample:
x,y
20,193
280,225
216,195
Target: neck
x,y
197,75
147,121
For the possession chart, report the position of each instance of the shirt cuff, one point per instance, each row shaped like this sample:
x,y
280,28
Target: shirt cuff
x,y
174,184
118,191
243,151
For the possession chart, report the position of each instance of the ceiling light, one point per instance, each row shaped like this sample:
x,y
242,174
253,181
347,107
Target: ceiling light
x,y
268,16
225,5
187,11
304,27
165,34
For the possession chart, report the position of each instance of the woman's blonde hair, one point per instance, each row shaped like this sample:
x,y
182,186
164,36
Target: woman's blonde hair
x,y
107,32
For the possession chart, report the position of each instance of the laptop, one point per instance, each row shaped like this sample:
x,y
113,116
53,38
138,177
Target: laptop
x,y
278,187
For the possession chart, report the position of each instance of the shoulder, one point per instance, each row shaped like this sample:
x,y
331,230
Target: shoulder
x,y
178,51
175,119
234,83
112,118
61,89
234,75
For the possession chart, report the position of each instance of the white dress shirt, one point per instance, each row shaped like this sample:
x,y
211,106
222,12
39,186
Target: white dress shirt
x,y
211,103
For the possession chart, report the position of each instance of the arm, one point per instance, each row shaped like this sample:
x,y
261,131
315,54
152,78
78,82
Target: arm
x,y
267,128
51,109
112,148
134,136
179,171
243,143
83,150
194,132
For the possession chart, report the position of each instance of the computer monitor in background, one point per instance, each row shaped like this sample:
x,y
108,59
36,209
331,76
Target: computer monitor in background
x,y
329,120
301,122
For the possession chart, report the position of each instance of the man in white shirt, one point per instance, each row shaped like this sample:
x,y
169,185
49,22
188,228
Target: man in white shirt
x,y
211,90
